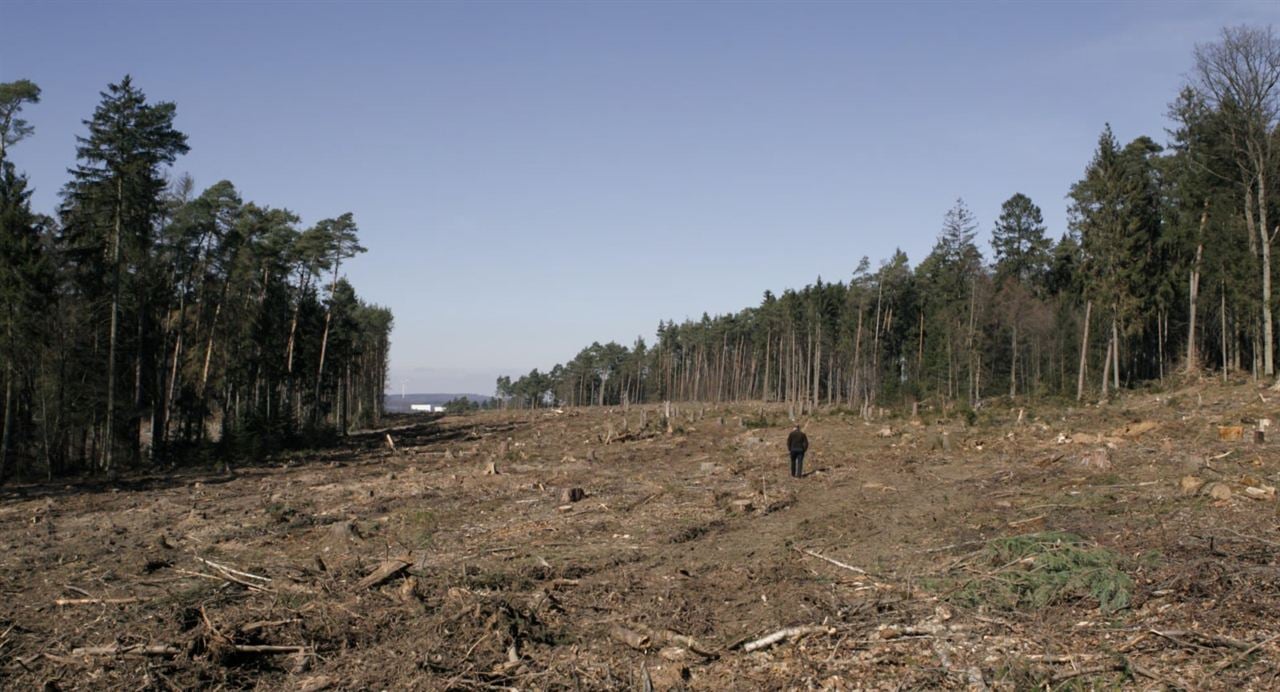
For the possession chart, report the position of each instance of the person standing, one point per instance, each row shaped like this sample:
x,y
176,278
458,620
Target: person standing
x,y
797,445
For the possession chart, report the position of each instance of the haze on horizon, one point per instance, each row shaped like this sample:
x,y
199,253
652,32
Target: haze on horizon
x,y
532,177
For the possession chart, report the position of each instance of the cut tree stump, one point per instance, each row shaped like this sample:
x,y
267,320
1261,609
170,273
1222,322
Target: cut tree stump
x,y
1229,433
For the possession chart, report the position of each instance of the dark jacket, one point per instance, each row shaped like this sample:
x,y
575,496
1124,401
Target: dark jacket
x,y
797,442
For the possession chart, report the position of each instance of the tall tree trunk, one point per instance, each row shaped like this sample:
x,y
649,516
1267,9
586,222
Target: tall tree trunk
x,y
8,417
324,340
920,348
1268,342
1106,368
1115,355
768,343
969,343
1013,363
1225,363
1161,325
815,354
1193,356
114,328
1192,347
1084,351
857,358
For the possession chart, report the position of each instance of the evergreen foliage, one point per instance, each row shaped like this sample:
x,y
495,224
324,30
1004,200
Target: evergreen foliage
x,y
153,325
1158,271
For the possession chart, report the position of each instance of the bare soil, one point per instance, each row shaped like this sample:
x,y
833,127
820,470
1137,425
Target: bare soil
x,y
686,548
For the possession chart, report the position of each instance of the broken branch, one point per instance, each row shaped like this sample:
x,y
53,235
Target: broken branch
x,y
229,570
784,634
96,601
837,563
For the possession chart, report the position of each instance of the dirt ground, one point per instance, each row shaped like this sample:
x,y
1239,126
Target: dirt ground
x,y
364,568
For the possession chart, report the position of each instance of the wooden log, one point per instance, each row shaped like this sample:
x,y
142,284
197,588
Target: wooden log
x,y
316,684
171,650
127,650
269,649
1229,433
384,572
96,601
251,627
783,635
684,640
631,638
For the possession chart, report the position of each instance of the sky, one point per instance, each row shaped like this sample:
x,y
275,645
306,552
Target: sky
x,y
530,177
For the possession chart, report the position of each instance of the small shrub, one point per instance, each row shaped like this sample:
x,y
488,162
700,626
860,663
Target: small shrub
x,y
1039,569
761,421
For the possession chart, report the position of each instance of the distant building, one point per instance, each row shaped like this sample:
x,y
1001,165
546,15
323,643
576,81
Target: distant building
x,y
426,408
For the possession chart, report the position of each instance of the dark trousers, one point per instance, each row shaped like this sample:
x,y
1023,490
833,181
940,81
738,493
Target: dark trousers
x,y
797,464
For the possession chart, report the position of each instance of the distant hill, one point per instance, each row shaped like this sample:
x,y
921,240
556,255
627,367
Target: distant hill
x,y
396,404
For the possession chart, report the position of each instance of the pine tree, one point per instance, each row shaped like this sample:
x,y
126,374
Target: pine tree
x,y
111,209
1019,243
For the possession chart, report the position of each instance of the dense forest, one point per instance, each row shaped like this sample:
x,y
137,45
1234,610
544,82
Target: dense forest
x,y
148,322
1165,270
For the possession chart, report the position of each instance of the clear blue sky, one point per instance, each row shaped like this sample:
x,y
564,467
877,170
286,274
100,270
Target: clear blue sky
x,y
530,177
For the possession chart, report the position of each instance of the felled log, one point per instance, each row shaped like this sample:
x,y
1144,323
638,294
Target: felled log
x,y
171,650
685,641
631,638
384,572
96,601
783,635
127,650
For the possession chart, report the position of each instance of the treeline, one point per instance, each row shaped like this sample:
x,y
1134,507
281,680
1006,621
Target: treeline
x,y
148,322
1166,265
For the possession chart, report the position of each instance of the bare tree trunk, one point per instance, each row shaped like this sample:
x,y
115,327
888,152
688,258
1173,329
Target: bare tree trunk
x,y
208,350
1160,329
1193,356
1106,369
768,344
8,417
857,359
920,348
1115,354
1225,362
1084,351
875,348
1013,363
1268,343
815,355
969,342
